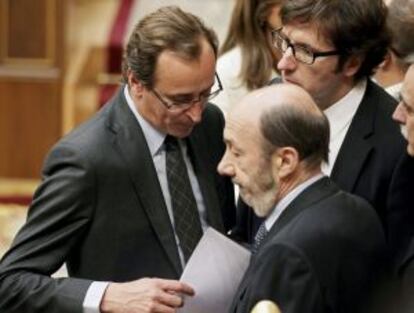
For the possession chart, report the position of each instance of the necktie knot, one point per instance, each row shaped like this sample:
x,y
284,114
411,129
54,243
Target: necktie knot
x,y
171,143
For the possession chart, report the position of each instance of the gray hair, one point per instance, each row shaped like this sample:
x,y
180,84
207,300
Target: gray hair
x,y
292,126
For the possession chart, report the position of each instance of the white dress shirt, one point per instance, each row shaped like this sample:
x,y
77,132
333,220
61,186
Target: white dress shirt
x,y
340,116
395,91
228,69
155,141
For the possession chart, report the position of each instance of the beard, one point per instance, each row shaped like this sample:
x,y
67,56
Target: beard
x,y
403,129
263,197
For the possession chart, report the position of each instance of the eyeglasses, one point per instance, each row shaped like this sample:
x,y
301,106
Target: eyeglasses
x,y
301,53
182,103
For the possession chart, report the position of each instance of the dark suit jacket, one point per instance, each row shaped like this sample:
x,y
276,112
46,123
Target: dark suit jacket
x,y
101,210
323,254
372,163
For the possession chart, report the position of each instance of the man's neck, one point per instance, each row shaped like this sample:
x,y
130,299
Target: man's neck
x,y
295,180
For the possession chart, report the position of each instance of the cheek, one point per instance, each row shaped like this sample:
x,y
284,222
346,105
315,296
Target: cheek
x,y
308,77
242,175
173,120
410,125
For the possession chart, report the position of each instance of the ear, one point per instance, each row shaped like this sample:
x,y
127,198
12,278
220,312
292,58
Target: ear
x,y
352,65
387,61
135,85
284,162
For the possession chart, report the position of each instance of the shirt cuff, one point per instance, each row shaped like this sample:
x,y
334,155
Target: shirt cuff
x,y
94,296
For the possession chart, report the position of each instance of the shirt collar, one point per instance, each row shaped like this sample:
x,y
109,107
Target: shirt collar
x,y
340,114
394,90
153,136
285,201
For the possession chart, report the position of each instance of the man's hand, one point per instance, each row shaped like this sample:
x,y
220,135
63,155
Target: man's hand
x,y
145,295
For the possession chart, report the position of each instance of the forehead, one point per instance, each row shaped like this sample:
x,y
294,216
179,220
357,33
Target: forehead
x,y
306,33
184,74
242,129
407,90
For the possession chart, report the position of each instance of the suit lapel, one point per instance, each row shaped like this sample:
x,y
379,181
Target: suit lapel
x,y
357,144
313,194
319,190
205,174
129,140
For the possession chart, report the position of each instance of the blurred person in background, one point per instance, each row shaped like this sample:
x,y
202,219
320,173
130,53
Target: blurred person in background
x,y
390,73
247,60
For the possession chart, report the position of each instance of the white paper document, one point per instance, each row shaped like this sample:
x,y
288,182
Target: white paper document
x,y
214,270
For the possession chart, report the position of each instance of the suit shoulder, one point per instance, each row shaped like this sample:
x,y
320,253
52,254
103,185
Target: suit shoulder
x,y
212,122
88,137
341,219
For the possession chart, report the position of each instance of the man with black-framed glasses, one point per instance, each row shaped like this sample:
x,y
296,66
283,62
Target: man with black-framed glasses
x,y
331,48
126,197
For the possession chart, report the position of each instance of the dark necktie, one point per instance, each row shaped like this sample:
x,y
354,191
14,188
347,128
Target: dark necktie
x,y
186,217
259,237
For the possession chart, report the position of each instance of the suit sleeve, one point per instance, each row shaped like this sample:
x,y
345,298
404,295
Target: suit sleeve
x,y
57,220
284,275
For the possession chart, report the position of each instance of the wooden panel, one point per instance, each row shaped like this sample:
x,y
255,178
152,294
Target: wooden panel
x,y
30,36
31,69
28,31
29,125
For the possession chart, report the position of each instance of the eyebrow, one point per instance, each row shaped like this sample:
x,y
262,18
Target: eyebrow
x,y
301,44
178,95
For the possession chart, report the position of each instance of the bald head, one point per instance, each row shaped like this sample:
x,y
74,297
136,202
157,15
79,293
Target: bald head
x,y
276,138
255,103
285,115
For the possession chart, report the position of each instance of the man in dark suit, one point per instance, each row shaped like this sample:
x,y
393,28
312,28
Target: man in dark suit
x,y
319,249
332,56
401,17
119,192
404,114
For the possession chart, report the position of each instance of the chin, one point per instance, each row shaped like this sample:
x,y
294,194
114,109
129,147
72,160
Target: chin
x,y
262,201
261,207
181,133
404,131
290,81
410,150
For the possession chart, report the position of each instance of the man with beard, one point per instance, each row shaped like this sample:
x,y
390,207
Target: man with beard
x,y
308,255
401,14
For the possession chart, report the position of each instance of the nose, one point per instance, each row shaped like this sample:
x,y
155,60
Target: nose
x,y
195,112
224,168
287,61
399,114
